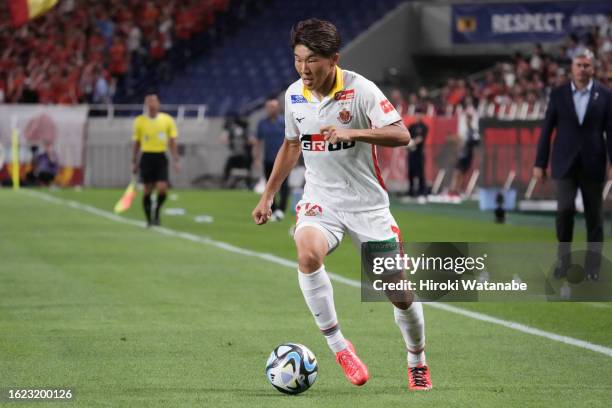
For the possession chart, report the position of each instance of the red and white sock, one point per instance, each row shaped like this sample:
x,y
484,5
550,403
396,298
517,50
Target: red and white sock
x,y
411,323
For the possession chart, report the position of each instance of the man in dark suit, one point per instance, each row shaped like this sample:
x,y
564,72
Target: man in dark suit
x,y
581,112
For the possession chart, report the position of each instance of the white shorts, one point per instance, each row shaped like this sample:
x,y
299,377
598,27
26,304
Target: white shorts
x,y
363,226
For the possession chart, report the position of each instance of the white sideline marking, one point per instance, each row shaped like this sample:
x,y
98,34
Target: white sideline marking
x,y
350,282
525,329
597,305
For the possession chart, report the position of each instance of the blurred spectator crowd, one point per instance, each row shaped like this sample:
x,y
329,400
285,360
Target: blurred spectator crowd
x,y
86,51
517,89
90,51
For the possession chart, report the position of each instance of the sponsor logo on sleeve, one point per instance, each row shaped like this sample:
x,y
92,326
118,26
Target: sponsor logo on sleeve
x,y
298,99
386,106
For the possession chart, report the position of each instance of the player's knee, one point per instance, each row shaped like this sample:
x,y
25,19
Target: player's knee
x,y
312,247
309,260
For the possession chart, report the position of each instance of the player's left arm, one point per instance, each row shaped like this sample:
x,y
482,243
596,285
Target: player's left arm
x,y
391,135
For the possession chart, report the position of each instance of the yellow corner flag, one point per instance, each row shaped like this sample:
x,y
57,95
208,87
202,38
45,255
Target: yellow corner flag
x,y
23,11
125,202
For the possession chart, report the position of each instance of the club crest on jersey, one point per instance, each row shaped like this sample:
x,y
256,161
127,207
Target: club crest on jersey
x,y
345,116
317,143
298,99
344,95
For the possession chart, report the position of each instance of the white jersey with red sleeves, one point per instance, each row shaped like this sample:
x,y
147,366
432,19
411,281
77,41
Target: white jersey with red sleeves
x,y
343,176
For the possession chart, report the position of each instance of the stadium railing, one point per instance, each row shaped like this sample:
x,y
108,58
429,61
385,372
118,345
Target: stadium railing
x,y
179,112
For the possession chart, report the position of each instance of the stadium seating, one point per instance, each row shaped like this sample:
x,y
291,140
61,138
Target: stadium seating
x,y
127,48
517,88
231,54
95,50
257,62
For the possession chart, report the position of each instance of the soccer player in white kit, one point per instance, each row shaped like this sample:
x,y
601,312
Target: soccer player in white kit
x,y
336,118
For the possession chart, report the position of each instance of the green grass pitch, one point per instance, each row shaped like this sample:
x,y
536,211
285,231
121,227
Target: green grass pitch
x,y
130,317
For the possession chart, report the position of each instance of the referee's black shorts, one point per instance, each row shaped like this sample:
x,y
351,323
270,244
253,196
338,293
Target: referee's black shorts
x,y
153,167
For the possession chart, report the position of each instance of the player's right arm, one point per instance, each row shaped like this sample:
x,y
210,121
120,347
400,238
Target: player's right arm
x,y
286,159
135,153
136,137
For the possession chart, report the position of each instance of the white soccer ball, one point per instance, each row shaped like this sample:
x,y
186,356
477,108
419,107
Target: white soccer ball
x,y
292,368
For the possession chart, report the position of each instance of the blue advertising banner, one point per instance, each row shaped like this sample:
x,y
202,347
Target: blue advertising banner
x,y
522,22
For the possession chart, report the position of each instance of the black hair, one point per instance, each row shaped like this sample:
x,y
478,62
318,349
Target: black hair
x,y
319,36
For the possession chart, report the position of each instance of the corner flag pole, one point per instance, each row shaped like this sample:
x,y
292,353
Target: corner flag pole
x,y
15,153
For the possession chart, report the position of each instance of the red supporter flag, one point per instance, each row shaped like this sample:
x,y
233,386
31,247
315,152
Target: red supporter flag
x,y
23,11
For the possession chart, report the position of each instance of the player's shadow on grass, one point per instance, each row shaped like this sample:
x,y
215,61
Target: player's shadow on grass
x,y
332,392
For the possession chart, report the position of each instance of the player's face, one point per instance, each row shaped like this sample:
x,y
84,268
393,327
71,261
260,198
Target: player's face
x,y
152,104
313,69
582,69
